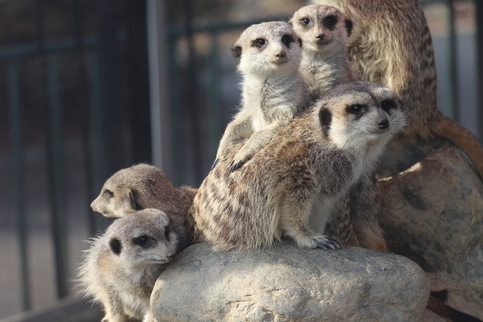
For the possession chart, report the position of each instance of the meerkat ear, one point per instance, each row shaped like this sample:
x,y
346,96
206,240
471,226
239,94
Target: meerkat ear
x,y
115,245
135,200
325,117
348,27
237,52
300,41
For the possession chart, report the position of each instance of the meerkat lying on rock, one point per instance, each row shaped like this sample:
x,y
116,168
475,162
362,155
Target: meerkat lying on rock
x,y
298,177
122,265
273,90
142,186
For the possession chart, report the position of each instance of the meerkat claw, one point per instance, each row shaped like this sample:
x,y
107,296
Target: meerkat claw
x,y
214,163
235,166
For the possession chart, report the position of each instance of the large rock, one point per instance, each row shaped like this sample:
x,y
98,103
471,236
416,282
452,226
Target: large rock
x,y
433,214
290,284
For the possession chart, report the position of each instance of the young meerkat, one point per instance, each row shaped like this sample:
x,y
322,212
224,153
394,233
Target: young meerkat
x,y
293,182
122,265
324,32
391,44
273,90
142,186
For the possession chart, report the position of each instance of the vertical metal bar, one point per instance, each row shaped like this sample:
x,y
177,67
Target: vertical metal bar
x,y
214,96
57,180
19,179
452,93
158,84
479,62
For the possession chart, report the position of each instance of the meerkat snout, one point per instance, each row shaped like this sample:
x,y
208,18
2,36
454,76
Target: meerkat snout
x,y
383,124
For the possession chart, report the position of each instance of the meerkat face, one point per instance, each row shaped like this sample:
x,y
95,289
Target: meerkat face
x,y
115,200
143,238
267,48
356,115
321,28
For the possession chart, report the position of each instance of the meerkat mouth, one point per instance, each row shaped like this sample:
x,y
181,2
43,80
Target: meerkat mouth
x,y
279,62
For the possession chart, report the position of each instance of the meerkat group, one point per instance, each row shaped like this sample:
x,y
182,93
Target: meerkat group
x,y
298,158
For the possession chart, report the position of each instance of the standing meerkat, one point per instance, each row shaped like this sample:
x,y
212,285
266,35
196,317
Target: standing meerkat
x,y
142,186
324,32
391,44
273,90
293,183
122,265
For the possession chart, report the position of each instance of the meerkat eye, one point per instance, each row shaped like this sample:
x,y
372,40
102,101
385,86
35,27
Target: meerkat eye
x,y
259,42
330,21
108,193
305,21
356,109
142,241
167,230
388,105
287,39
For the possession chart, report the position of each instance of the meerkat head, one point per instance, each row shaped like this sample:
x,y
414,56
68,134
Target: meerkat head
x,y
132,189
266,48
143,238
359,115
321,28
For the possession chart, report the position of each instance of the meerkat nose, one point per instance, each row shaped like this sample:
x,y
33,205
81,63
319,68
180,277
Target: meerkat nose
x,y
171,256
383,124
320,36
280,54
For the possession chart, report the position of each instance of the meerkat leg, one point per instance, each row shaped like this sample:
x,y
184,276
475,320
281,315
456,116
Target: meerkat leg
x,y
240,127
294,222
254,144
114,311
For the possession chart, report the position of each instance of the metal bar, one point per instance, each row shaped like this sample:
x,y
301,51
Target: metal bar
x,y
159,94
57,179
452,97
214,96
479,62
19,179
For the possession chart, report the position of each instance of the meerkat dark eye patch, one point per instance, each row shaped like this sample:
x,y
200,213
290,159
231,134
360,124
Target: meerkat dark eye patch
x,y
143,241
237,52
259,42
348,27
330,22
356,109
287,39
115,245
108,193
388,105
325,117
167,230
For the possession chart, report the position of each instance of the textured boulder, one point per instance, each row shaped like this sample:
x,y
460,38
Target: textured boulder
x,y
290,284
433,214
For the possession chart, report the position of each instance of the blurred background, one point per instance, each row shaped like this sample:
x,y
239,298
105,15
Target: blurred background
x,y
88,87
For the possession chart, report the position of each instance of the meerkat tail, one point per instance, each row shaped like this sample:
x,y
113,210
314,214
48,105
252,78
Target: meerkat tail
x,y
462,137
440,308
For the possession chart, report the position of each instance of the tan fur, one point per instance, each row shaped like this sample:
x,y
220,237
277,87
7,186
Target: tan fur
x,y
291,185
273,91
122,265
142,186
324,32
391,45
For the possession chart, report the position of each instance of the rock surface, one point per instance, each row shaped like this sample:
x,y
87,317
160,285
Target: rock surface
x,y
433,214
289,284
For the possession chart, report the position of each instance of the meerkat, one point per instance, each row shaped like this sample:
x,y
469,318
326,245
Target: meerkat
x,y
122,265
324,32
291,185
142,186
391,44
273,91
